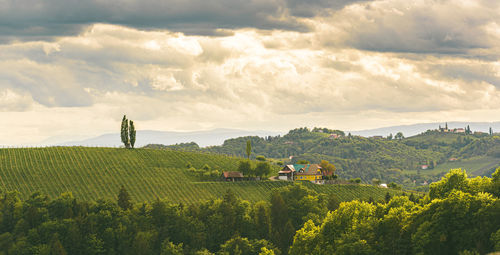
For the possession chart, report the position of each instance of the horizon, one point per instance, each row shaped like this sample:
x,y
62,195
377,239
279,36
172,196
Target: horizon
x,y
414,129
72,69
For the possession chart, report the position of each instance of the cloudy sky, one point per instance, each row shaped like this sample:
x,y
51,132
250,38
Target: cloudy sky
x,y
72,68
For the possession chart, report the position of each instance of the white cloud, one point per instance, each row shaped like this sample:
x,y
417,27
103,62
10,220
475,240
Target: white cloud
x,y
341,75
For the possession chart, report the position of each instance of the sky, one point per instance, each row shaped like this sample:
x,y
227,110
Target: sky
x,y
73,68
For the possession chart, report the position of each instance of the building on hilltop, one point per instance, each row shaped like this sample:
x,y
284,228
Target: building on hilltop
x,y
333,136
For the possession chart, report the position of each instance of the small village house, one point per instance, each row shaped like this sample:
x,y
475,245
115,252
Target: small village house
x,y
287,173
333,136
303,172
232,176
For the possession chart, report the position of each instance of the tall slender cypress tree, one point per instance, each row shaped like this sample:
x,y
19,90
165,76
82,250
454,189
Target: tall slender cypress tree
x,y
124,132
132,134
249,148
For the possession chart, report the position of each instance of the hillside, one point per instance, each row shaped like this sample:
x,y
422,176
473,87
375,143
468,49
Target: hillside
x,y
415,129
93,173
354,156
390,160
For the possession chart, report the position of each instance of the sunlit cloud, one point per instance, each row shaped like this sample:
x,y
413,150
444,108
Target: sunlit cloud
x,y
384,62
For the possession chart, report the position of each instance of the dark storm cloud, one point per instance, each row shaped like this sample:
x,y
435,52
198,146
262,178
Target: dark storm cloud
x,y
311,8
39,20
422,27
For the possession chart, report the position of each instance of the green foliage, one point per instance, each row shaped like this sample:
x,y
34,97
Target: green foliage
x,y
260,158
355,180
333,202
328,167
56,247
306,240
192,146
399,136
169,248
393,185
456,179
303,161
132,133
249,148
495,183
245,167
124,200
458,222
495,239
243,246
124,132
262,169
297,219
128,133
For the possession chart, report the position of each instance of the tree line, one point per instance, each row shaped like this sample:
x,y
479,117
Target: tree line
x,y
459,215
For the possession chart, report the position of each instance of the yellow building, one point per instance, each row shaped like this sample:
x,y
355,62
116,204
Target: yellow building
x,y
302,172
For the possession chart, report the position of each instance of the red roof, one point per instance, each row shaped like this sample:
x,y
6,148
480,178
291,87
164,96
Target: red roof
x,y
232,175
310,169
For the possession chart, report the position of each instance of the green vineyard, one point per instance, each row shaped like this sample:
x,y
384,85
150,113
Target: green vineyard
x,y
94,173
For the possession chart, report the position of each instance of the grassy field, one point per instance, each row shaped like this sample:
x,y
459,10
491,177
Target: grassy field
x,y
475,166
93,173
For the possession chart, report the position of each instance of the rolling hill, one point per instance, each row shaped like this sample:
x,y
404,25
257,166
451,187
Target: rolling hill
x,y
93,173
202,138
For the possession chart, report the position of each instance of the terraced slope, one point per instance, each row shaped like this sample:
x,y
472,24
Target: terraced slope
x,y
93,173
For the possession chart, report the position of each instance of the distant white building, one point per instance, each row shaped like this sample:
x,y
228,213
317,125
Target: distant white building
x,y
383,185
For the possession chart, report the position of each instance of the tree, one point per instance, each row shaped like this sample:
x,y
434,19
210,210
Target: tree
x,y
327,167
132,134
249,148
169,248
245,167
56,246
387,197
399,136
455,179
467,130
124,200
262,219
262,169
491,131
389,137
333,202
124,132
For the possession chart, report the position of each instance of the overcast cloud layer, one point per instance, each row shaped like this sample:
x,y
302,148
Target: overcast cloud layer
x,y
75,67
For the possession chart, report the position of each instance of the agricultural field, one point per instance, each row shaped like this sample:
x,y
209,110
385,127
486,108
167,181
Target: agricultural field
x,y
94,173
475,166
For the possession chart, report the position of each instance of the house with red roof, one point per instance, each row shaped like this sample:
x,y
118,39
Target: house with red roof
x,y
303,172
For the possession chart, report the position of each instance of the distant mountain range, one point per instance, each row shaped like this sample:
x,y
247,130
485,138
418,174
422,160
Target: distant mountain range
x,y
415,129
218,136
144,137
